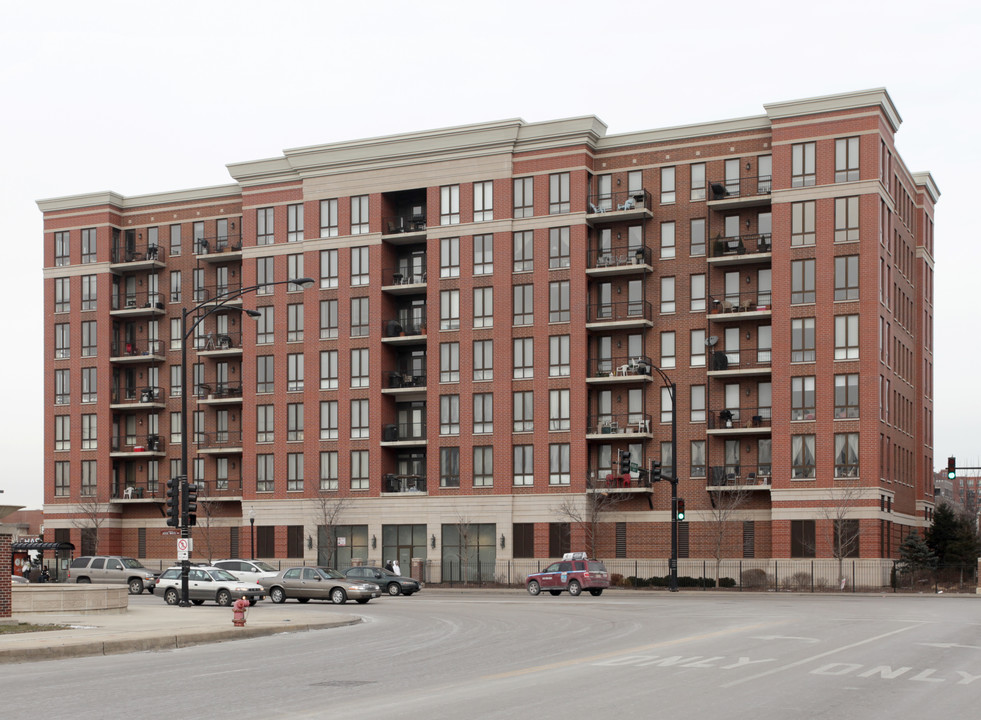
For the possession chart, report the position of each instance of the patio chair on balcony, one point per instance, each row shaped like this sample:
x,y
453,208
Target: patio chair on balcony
x,y
628,204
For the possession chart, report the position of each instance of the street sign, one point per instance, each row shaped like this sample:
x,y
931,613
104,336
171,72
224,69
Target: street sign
x,y
634,467
184,545
183,555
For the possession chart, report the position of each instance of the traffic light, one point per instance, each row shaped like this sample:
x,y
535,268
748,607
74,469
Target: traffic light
x,y
655,470
190,504
625,463
680,511
951,468
174,502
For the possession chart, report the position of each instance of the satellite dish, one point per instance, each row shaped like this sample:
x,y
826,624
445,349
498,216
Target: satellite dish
x,y
711,341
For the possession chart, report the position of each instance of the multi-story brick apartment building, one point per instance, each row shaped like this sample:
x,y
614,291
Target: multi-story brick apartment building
x,y
493,310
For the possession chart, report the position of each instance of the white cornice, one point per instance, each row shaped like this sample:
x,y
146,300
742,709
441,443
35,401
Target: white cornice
x,y
841,101
925,179
685,132
121,202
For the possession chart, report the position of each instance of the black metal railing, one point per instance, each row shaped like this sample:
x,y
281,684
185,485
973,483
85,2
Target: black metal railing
x,y
218,341
407,431
740,360
742,244
218,439
218,244
138,300
138,395
406,322
619,311
405,222
620,366
618,424
410,377
151,442
730,475
748,186
403,275
218,390
740,417
215,292
137,253
620,201
394,483
602,479
134,349
746,302
619,256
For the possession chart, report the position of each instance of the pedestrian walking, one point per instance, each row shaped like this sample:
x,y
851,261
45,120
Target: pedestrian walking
x,y
395,567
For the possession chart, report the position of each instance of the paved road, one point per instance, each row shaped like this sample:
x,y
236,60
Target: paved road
x,y
493,655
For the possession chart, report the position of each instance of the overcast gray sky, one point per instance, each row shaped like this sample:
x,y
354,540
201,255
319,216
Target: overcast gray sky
x,y
146,97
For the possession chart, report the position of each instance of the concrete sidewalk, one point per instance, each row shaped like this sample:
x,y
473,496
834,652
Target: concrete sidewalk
x,y
150,627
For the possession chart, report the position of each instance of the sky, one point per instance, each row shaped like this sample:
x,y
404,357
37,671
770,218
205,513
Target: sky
x,y
148,97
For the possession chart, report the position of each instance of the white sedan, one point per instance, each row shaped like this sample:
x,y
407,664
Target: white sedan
x,y
251,570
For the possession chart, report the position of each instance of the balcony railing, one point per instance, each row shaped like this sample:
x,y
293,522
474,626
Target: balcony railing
x,y
748,302
218,440
742,244
138,300
620,366
152,442
138,395
625,311
597,479
394,483
734,475
619,256
741,417
213,292
618,424
403,275
218,390
404,432
137,253
743,187
410,221
408,378
620,201
133,349
406,322
218,341
758,359
218,244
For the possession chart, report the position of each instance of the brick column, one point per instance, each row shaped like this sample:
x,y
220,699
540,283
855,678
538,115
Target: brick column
x,y
6,603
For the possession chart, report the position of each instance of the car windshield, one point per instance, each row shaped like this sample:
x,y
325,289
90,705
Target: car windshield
x,y
223,575
170,574
131,563
331,574
264,567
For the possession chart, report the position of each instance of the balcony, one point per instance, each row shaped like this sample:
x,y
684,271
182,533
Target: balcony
x,y
625,314
135,304
751,420
729,478
624,425
619,207
621,369
130,353
404,434
132,257
404,484
405,228
737,364
735,308
221,442
408,327
218,344
131,445
750,191
619,260
219,393
404,280
607,482
404,382
131,398
219,249
218,293
741,249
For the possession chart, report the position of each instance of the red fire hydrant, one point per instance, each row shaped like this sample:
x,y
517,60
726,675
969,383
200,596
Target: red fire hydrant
x,y
238,612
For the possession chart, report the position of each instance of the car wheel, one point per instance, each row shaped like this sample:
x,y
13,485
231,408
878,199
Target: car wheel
x,y
135,586
534,588
338,596
277,595
394,589
575,588
596,592
83,580
223,598
555,592
197,602
303,600
252,601
362,601
171,597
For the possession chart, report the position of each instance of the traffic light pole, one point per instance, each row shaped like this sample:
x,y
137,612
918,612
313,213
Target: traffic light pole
x,y
673,562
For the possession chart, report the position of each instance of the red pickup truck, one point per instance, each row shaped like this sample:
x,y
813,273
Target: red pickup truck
x,y
575,573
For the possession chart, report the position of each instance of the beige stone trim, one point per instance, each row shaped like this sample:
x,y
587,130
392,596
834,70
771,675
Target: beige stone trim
x,y
925,180
121,202
878,97
76,270
832,190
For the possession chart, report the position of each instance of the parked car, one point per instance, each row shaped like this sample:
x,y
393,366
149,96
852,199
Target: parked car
x,y
575,573
388,581
320,583
113,569
251,570
206,583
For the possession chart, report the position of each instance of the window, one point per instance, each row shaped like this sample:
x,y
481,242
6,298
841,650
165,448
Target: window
x,y
264,475
558,247
483,307
802,223
524,251
558,301
200,245
264,374
846,219
89,245
802,538
483,360
449,205
698,237
175,380
666,405
449,310
264,424
802,165
523,408
802,457
697,339
89,338
524,358
264,275
667,350
264,325
328,470
846,337
294,422
359,470
328,319
175,286
697,293
559,539
846,455
449,362
62,478
802,281
698,403
265,230
89,385
846,159
667,185
558,356
62,295
667,240
846,538
175,427
294,483
328,218
558,193
449,467
846,396
483,413
359,317
328,420
697,458
449,415
328,369
294,224
294,322
294,271
559,412
359,266
88,292
294,372
558,464
697,181
483,466
359,367
846,277
802,340
62,340
359,418
62,432
524,197
604,194
483,201
449,257
328,269
175,240
524,465
359,215
802,398
483,254
62,249
523,305
667,295
62,387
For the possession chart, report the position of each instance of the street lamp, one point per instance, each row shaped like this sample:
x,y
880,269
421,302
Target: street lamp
x,y
673,563
252,531
219,302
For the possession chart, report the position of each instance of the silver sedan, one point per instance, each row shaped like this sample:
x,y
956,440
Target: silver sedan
x,y
306,583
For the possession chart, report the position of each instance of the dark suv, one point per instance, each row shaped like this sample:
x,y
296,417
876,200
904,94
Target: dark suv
x,y
575,573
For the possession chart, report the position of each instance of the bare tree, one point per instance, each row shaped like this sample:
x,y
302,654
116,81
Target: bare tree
x,y
726,504
208,512
842,531
91,516
586,513
468,544
329,508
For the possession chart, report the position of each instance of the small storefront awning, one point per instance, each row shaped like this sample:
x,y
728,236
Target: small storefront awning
x,y
38,545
